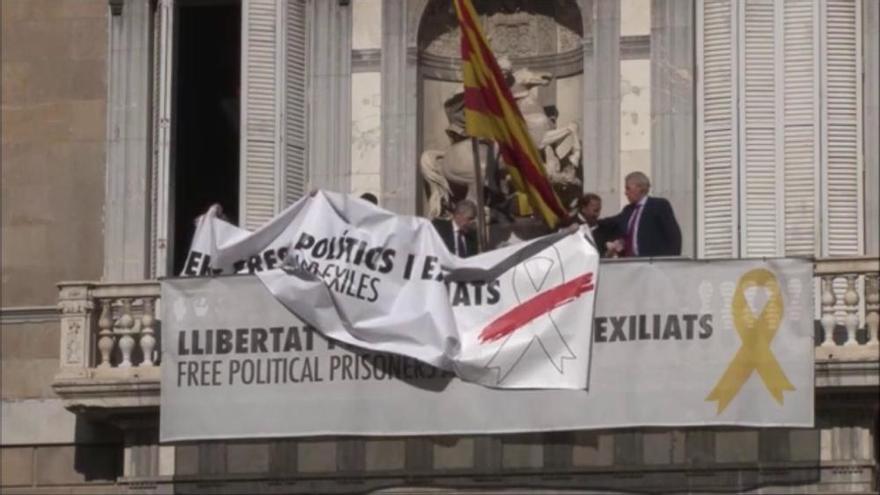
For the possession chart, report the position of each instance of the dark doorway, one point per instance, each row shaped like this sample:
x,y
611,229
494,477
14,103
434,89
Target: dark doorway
x,y
206,109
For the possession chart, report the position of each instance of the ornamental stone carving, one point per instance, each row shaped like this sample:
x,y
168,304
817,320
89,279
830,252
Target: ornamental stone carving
x,y
73,298
75,307
513,28
73,347
449,170
540,47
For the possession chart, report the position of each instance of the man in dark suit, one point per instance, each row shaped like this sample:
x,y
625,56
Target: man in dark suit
x,y
589,209
459,233
647,224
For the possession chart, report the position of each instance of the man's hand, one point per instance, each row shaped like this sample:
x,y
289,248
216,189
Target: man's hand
x,y
614,248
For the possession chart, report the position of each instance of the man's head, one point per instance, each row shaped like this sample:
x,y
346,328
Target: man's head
x,y
590,207
367,196
464,214
636,187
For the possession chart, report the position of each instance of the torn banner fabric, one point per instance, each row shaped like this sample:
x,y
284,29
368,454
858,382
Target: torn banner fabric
x,y
516,317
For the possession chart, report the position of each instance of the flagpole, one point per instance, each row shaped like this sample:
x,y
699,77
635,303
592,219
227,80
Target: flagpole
x,y
481,218
491,112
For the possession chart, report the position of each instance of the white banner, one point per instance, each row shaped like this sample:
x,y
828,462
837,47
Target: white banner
x,y
675,343
508,318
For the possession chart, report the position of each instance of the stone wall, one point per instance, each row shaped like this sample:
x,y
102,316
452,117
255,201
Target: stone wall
x,y
54,133
838,456
29,360
53,111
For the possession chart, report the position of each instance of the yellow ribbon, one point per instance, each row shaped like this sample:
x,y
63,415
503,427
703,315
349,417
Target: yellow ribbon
x,y
756,334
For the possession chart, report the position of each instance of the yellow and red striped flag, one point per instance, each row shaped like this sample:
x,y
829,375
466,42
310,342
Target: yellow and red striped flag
x,y
490,112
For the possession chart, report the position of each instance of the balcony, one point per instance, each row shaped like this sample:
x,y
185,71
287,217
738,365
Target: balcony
x,y
110,335
109,359
849,314
110,371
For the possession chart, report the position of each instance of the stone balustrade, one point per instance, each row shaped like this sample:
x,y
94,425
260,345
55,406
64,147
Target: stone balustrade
x,y
110,333
849,299
109,344
122,328
120,320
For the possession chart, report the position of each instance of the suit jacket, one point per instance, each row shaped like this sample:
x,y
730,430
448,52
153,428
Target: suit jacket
x,y
444,228
658,231
602,234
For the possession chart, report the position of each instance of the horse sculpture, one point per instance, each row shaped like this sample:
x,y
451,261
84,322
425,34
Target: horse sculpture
x,y
453,168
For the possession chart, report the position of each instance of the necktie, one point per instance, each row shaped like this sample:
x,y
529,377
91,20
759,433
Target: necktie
x,y
629,247
461,247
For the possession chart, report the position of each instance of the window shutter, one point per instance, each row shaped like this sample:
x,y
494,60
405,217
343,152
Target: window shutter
x,y
841,133
261,112
779,129
760,134
716,128
801,114
295,168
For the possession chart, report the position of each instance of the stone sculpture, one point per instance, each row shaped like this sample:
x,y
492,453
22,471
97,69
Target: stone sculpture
x,y
449,173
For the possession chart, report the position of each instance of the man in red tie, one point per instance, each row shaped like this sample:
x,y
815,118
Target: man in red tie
x,y
647,224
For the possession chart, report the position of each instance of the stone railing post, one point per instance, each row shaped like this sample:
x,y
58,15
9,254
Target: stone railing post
x,y
106,339
124,328
76,308
828,301
148,339
872,307
851,300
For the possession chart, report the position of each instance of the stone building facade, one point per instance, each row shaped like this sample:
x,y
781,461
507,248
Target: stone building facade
x,y
123,119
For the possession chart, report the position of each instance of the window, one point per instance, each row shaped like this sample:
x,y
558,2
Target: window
x,y
205,109
779,128
230,107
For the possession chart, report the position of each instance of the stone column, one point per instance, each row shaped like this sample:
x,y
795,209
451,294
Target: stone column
x,y
399,125
871,128
399,172
127,208
330,130
330,103
602,102
672,111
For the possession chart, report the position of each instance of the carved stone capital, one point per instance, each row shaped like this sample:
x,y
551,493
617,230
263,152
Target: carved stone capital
x,y
75,307
73,298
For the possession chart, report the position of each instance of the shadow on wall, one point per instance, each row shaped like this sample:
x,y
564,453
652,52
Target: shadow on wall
x,y
99,450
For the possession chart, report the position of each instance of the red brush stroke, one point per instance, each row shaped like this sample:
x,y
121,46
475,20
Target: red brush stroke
x,y
537,306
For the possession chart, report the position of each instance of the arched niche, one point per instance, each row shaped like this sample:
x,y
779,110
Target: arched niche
x,y
546,36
